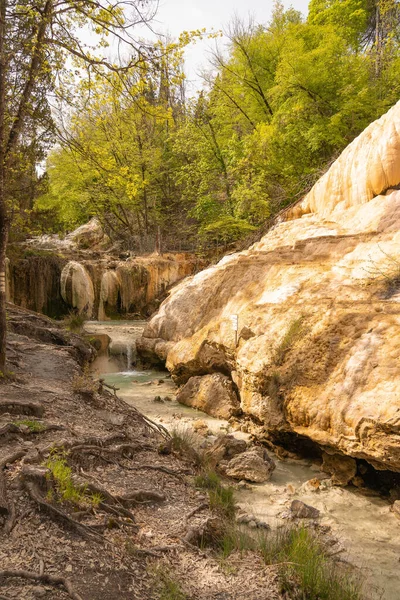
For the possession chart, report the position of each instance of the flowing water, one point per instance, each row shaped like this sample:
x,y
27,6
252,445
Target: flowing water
x,y
368,531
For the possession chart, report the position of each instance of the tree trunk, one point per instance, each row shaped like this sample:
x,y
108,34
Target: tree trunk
x,y
3,323
3,204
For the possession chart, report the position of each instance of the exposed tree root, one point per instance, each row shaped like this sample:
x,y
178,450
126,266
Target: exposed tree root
x,y
5,507
141,497
110,504
14,429
9,428
16,407
32,479
52,580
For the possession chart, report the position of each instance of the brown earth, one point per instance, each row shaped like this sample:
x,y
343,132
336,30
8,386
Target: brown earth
x,y
118,549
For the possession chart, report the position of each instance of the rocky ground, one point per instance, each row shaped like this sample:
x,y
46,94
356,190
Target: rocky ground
x,y
93,503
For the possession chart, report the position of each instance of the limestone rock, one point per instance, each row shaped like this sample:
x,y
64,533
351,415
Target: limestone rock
x,y
253,465
213,394
303,511
342,468
225,448
323,362
88,235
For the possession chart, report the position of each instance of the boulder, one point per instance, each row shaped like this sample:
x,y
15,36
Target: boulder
x,y
253,465
225,448
88,235
213,394
342,468
303,511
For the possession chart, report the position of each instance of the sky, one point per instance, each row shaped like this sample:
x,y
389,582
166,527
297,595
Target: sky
x,y
175,16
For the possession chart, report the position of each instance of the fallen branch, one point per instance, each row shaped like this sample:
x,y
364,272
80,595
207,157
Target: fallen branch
x,y
52,580
196,510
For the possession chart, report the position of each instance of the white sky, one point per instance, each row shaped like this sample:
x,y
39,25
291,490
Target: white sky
x,y
175,16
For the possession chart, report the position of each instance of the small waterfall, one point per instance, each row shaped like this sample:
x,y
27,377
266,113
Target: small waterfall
x,y
128,356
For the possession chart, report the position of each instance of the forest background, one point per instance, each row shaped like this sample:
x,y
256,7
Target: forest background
x,y
160,169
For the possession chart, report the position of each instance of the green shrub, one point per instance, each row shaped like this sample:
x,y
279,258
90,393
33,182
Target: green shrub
x,y
186,444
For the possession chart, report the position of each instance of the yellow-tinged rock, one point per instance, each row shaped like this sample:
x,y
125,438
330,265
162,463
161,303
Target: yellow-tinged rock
x,y
318,304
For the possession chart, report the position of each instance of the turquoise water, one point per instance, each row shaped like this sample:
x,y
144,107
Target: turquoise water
x,y
126,379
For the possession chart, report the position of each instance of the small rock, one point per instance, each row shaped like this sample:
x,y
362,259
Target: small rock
x,y
252,524
68,568
396,508
158,399
167,399
303,511
312,485
39,591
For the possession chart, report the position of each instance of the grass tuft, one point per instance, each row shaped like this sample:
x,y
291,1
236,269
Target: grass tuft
x,y
186,443
84,384
221,497
293,333
66,490
168,586
34,426
75,321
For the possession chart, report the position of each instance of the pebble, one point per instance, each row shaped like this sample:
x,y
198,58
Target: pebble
x,y
39,591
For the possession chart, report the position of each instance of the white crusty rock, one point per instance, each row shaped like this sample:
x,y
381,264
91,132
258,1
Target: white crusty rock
x,y
77,288
320,295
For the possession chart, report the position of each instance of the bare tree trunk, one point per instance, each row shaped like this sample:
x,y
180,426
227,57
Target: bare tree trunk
x,y
3,203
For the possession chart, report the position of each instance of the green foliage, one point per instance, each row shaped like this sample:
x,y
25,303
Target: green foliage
x,y
34,426
65,488
75,321
185,443
277,109
220,496
292,334
306,568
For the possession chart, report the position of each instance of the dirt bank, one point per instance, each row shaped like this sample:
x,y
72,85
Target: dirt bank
x,y
89,507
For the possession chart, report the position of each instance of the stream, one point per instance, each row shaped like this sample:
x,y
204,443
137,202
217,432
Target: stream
x,y
368,532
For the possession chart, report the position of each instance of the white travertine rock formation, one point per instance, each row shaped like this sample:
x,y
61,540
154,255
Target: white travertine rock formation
x,y
318,301
369,166
77,288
